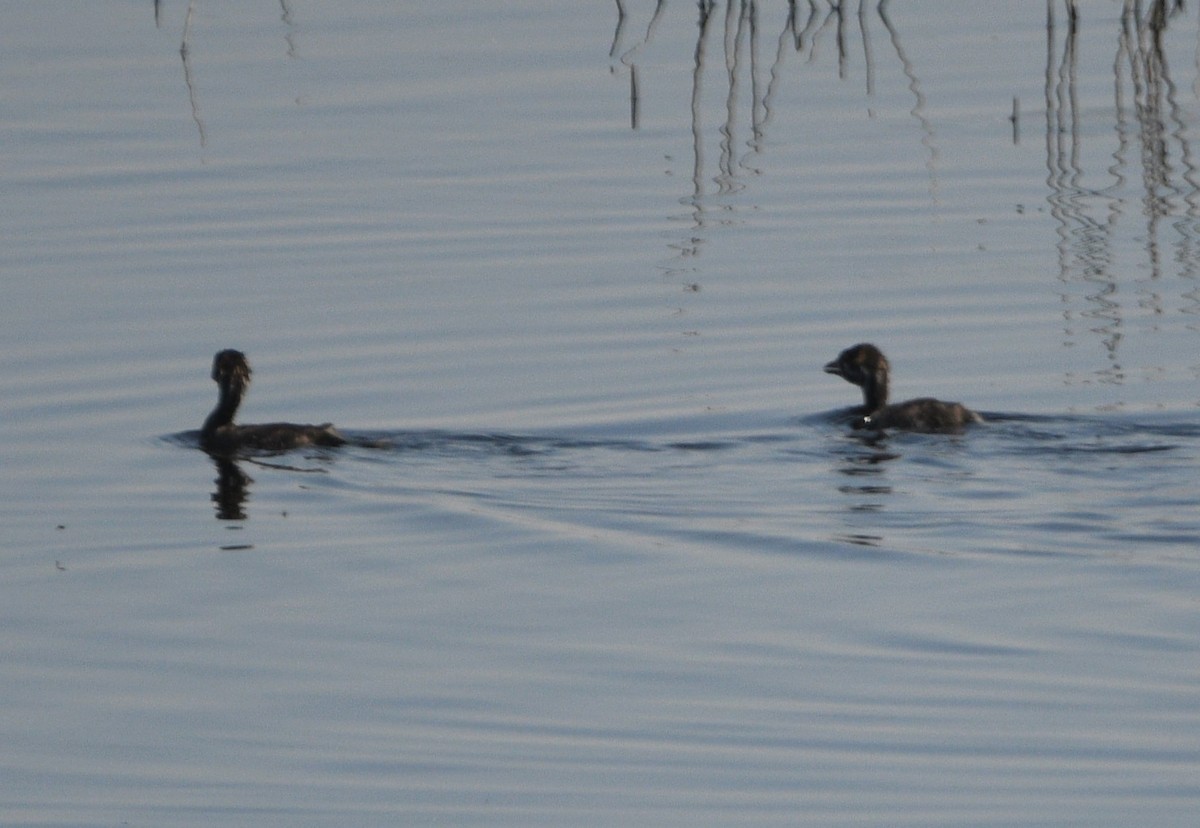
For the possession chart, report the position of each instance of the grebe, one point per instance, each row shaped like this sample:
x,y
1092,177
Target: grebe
x,y
865,365
219,435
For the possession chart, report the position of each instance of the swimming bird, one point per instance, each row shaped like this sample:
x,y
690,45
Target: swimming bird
x,y
865,365
220,435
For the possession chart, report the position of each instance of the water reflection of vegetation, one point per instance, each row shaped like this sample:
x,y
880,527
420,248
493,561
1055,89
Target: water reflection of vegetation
x,y
1149,121
1151,132
185,55
802,32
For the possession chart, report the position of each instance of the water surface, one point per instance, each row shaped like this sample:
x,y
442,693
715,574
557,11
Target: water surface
x,y
602,551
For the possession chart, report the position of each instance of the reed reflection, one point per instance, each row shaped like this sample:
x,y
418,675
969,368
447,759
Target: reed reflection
x,y
1151,146
1150,167
629,56
749,66
185,54
920,105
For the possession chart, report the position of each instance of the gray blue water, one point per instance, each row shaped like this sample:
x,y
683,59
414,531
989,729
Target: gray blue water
x,y
602,550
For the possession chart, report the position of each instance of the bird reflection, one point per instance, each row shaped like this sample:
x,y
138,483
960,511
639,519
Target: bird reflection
x,y
863,462
231,492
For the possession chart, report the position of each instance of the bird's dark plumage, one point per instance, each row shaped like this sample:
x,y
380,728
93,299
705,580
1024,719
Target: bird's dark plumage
x,y
865,365
220,435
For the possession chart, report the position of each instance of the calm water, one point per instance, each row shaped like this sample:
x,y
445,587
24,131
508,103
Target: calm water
x,y
578,266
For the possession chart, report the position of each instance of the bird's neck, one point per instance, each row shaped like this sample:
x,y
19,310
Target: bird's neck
x,y
875,391
227,406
